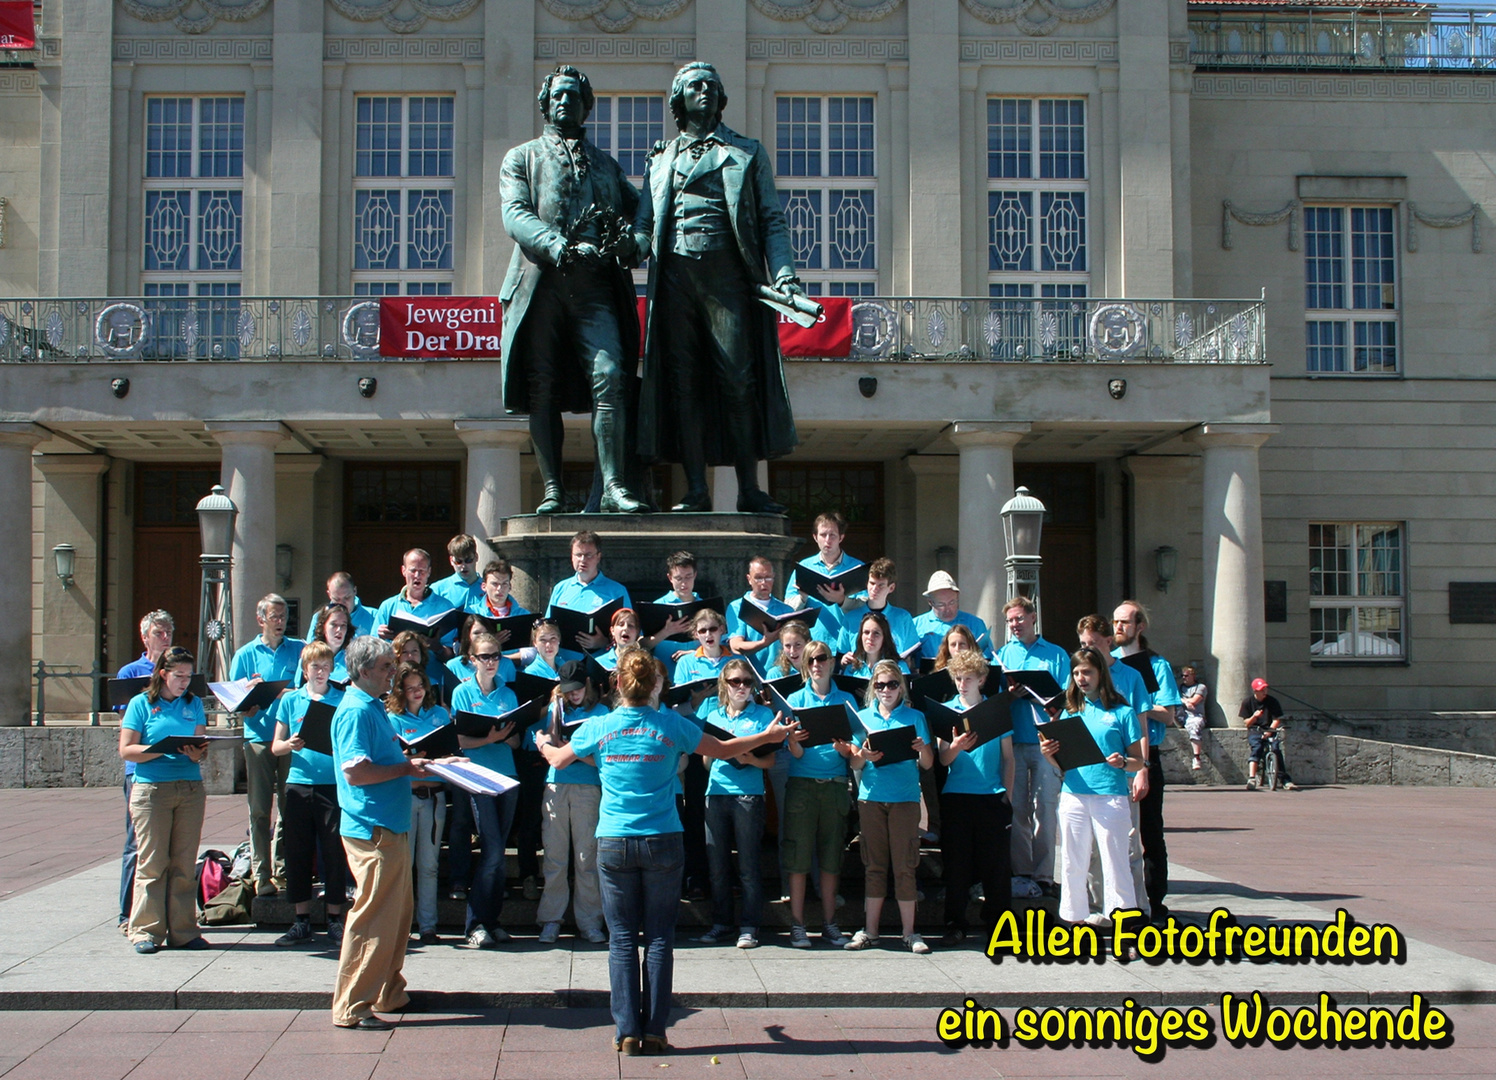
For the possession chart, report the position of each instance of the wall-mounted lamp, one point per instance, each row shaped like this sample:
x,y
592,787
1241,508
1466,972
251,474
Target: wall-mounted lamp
x,y
65,554
284,556
1166,560
945,558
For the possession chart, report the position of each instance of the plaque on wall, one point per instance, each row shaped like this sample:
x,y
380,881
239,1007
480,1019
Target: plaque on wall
x,y
1275,601
1472,601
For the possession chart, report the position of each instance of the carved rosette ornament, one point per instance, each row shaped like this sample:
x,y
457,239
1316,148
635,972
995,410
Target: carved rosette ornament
x,y
403,16
1037,18
194,16
828,16
615,16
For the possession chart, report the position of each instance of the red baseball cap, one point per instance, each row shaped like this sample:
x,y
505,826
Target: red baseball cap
x,y
1259,684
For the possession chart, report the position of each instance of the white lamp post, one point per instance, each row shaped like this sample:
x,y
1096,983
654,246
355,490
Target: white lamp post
x,y
1023,523
215,625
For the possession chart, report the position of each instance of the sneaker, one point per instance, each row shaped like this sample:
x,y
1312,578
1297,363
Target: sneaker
x,y
831,934
500,935
430,938
717,935
1051,889
1196,765
481,939
335,931
799,939
595,935
530,889
457,894
299,934
748,939
266,888
550,933
1026,889
916,944
146,947
1252,784
954,936
861,940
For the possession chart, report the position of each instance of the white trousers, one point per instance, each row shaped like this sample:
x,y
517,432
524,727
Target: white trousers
x,y
1105,817
1135,861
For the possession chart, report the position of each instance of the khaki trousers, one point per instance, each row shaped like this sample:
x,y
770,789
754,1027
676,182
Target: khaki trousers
x,y
264,780
168,819
376,930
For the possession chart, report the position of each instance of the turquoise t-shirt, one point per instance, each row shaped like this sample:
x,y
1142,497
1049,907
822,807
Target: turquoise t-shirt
x,y
932,630
361,731
900,624
156,721
576,596
898,782
1041,655
979,771
462,669
272,665
1166,698
497,756
578,772
1114,731
307,766
1130,685
539,666
692,667
820,762
736,627
413,726
728,777
636,750
430,605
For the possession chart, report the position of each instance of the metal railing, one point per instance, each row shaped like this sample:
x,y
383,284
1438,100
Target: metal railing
x,y
1337,39
98,698
1022,329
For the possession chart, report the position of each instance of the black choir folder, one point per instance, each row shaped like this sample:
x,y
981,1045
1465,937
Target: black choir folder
x,y
1077,746
766,750
241,695
1142,663
1037,685
120,691
939,686
808,582
432,626
653,617
572,623
825,724
518,627
895,744
316,726
989,719
173,744
435,744
765,623
478,725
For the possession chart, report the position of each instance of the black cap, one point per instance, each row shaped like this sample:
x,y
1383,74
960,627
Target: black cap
x,y
573,676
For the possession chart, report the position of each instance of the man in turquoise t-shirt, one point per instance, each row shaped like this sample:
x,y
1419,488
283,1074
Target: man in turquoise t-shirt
x,y
588,589
270,657
945,615
373,777
464,586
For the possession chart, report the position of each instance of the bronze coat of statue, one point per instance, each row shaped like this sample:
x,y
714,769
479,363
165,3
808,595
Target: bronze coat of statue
x,y
713,389
571,327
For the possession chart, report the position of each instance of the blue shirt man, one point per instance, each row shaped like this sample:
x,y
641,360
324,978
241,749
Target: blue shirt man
x,y
464,586
415,599
273,657
945,614
341,590
587,589
744,638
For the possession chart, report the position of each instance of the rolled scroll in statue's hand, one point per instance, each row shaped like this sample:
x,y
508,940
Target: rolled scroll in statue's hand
x,y
797,307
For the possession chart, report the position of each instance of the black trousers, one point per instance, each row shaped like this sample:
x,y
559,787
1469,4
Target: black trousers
x,y
975,846
532,770
311,820
693,820
1151,833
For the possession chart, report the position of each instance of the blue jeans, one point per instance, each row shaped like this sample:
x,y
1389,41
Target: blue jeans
x,y
127,859
494,814
640,878
735,821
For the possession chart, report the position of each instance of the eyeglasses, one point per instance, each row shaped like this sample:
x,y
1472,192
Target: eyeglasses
x,y
740,683
709,629
486,657
820,658
885,686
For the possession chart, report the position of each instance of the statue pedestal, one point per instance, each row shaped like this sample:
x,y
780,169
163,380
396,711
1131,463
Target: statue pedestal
x,y
635,547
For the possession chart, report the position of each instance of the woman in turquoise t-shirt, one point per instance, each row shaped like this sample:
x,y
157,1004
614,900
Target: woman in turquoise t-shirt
x,y
311,820
975,813
874,643
639,850
735,808
335,630
624,631
494,814
414,714
1094,798
166,805
888,805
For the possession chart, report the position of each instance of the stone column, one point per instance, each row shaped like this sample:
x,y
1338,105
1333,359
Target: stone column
x,y
722,41
1235,634
16,444
986,482
70,514
1145,130
494,480
295,256
936,229
249,480
74,234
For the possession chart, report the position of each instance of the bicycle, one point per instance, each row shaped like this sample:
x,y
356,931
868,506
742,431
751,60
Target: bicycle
x,y
1271,751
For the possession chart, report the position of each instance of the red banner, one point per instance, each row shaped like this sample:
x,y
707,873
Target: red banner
x,y
830,337
436,326
17,26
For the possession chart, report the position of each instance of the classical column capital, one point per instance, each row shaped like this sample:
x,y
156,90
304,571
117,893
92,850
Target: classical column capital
x,y
504,434
72,464
247,432
1007,433
1245,435
23,435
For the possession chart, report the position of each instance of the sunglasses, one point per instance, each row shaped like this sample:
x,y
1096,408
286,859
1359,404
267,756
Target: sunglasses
x,y
820,659
885,686
740,683
486,657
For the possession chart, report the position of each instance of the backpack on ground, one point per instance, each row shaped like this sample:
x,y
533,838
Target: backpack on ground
x,y
214,872
233,904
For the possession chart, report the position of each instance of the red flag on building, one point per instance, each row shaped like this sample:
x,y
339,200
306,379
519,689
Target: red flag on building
x,y
17,26
830,337
435,326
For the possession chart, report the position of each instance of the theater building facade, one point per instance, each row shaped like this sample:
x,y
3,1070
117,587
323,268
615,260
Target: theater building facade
x,y
1205,277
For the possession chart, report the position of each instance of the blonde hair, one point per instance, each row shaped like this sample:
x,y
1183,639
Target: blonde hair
x,y
892,668
738,664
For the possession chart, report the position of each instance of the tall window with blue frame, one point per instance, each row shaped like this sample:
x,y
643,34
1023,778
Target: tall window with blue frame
x,y
193,226
1038,258
825,162
1350,290
403,175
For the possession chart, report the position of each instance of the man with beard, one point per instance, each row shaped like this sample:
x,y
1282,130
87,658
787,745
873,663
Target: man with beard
x,y
570,324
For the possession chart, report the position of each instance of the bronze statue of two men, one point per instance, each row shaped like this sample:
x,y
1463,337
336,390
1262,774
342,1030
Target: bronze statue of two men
x,y
711,389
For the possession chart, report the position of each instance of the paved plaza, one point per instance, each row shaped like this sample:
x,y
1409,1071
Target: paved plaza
x,y
74,1001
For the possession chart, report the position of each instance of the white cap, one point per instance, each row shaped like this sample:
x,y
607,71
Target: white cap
x,y
941,580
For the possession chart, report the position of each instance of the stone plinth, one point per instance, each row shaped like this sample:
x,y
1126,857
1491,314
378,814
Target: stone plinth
x,y
635,547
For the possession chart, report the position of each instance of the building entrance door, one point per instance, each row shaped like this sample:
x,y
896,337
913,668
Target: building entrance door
x,y
389,508
1067,586
168,544
810,488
